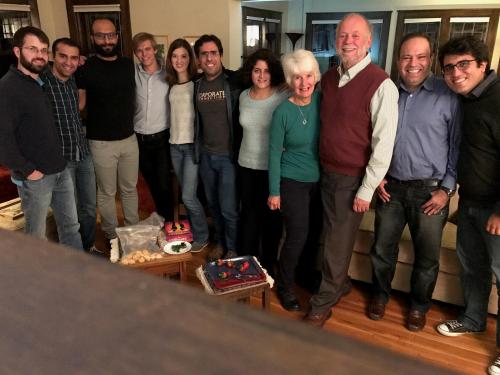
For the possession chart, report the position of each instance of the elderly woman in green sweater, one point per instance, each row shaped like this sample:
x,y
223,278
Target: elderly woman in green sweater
x,y
261,228
294,164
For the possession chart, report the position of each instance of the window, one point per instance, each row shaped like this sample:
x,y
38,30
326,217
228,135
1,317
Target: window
x,y
261,29
441,25
320,37
13,16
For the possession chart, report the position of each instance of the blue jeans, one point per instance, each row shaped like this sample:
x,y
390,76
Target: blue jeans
x,y
187,175
83,176
479,255
218,174
55,191
404,207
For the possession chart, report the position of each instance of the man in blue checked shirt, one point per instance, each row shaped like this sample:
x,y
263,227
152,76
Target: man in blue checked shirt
x,y
420,180
61,89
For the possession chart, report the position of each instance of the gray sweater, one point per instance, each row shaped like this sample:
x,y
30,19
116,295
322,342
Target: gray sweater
x,y
255,119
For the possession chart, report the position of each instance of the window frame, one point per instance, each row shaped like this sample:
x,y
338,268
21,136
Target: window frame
x,y
445,15
338,16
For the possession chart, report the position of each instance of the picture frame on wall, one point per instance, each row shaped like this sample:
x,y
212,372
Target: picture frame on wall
x,y
191,39
161,46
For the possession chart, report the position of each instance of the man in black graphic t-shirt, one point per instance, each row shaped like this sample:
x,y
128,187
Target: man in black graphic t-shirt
x,y
217,139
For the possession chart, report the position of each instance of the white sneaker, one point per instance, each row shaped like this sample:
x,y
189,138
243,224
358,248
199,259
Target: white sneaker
x,y
494,369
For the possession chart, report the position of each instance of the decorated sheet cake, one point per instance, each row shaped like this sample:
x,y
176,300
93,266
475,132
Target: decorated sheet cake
x,y
236,273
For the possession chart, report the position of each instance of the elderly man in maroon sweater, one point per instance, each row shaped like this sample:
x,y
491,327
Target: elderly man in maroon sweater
x,y
359,116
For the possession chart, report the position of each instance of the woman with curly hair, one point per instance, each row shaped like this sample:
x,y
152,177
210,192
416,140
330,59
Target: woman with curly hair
x,y
260,227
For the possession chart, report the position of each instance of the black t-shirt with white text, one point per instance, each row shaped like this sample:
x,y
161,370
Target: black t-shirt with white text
x,y
211,104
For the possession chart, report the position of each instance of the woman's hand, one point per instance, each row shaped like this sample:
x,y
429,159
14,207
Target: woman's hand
x,y
274,202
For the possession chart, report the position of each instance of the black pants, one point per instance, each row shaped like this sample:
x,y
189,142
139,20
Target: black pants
x,y
154,164
296,199
261,228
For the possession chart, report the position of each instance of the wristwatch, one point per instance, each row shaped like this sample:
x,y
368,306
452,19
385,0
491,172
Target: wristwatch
x,y
449,192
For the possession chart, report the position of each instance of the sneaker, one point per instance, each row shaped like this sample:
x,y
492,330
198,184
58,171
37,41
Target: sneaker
x,y
95,251
494,369
230,254
196,247
453,328
215,253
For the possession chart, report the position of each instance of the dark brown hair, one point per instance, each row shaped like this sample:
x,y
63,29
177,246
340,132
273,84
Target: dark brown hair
x,y
172,78
18,40
274,65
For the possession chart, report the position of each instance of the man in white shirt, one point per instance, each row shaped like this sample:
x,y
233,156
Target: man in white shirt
x,y
150,123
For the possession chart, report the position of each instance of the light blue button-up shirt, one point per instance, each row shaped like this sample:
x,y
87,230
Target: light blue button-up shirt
x,y
151,110
428,134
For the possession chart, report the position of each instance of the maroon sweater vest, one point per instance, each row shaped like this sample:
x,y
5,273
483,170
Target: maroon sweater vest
x,y
346,126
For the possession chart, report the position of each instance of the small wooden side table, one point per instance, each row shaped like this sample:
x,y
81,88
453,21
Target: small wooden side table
x,y
166,266
262,291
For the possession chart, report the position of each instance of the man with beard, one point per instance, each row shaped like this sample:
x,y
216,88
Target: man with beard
x,y
63,95
107,89
29,145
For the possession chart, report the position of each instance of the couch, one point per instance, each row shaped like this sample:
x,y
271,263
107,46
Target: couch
x,y
448,288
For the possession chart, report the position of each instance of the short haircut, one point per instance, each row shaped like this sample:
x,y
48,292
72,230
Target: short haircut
x,y
66,42
102,19
206,38
414,36
18,40
349,15
298,62
172,78
273,63
465,45
142,37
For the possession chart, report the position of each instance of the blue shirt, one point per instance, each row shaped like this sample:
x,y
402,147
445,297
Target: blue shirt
x,y
428,134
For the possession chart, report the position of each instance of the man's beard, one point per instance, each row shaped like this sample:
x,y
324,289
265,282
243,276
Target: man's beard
x,y
105,53
30,67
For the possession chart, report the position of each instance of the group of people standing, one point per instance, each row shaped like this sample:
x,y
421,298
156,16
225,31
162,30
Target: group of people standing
x,y
263,140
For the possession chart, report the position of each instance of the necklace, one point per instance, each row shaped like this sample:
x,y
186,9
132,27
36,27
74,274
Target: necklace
x,y
304,118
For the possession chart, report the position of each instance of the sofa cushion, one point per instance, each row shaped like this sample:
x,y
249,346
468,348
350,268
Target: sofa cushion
x,y
448,261
448,240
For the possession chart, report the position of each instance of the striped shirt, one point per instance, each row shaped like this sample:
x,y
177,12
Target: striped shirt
x,y
63,96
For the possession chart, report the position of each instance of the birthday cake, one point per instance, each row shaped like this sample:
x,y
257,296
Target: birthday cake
x,y
226,275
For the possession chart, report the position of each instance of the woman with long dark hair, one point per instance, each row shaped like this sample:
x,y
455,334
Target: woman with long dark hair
x,y
181,67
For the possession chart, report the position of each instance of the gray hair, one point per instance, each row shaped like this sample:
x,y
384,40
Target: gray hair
x,y
298,62
368,24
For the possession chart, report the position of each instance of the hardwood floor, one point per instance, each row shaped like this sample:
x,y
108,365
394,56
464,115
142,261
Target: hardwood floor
x,y
469,354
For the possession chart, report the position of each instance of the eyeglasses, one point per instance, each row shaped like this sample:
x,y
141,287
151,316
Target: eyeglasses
x,y
461,65
102,36
36,51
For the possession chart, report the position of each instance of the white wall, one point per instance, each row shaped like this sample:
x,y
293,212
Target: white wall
x,y
53,18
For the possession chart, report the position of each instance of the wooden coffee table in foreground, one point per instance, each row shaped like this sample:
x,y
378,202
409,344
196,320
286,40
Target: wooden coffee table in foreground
x,y
168,265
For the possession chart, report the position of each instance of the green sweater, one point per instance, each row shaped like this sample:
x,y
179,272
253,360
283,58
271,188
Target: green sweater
x,y
293,146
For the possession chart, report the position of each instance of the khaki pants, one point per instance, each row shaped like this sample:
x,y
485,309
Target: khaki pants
x,y
116,163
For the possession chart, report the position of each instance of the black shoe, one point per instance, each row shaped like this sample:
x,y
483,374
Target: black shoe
x,y
289,301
